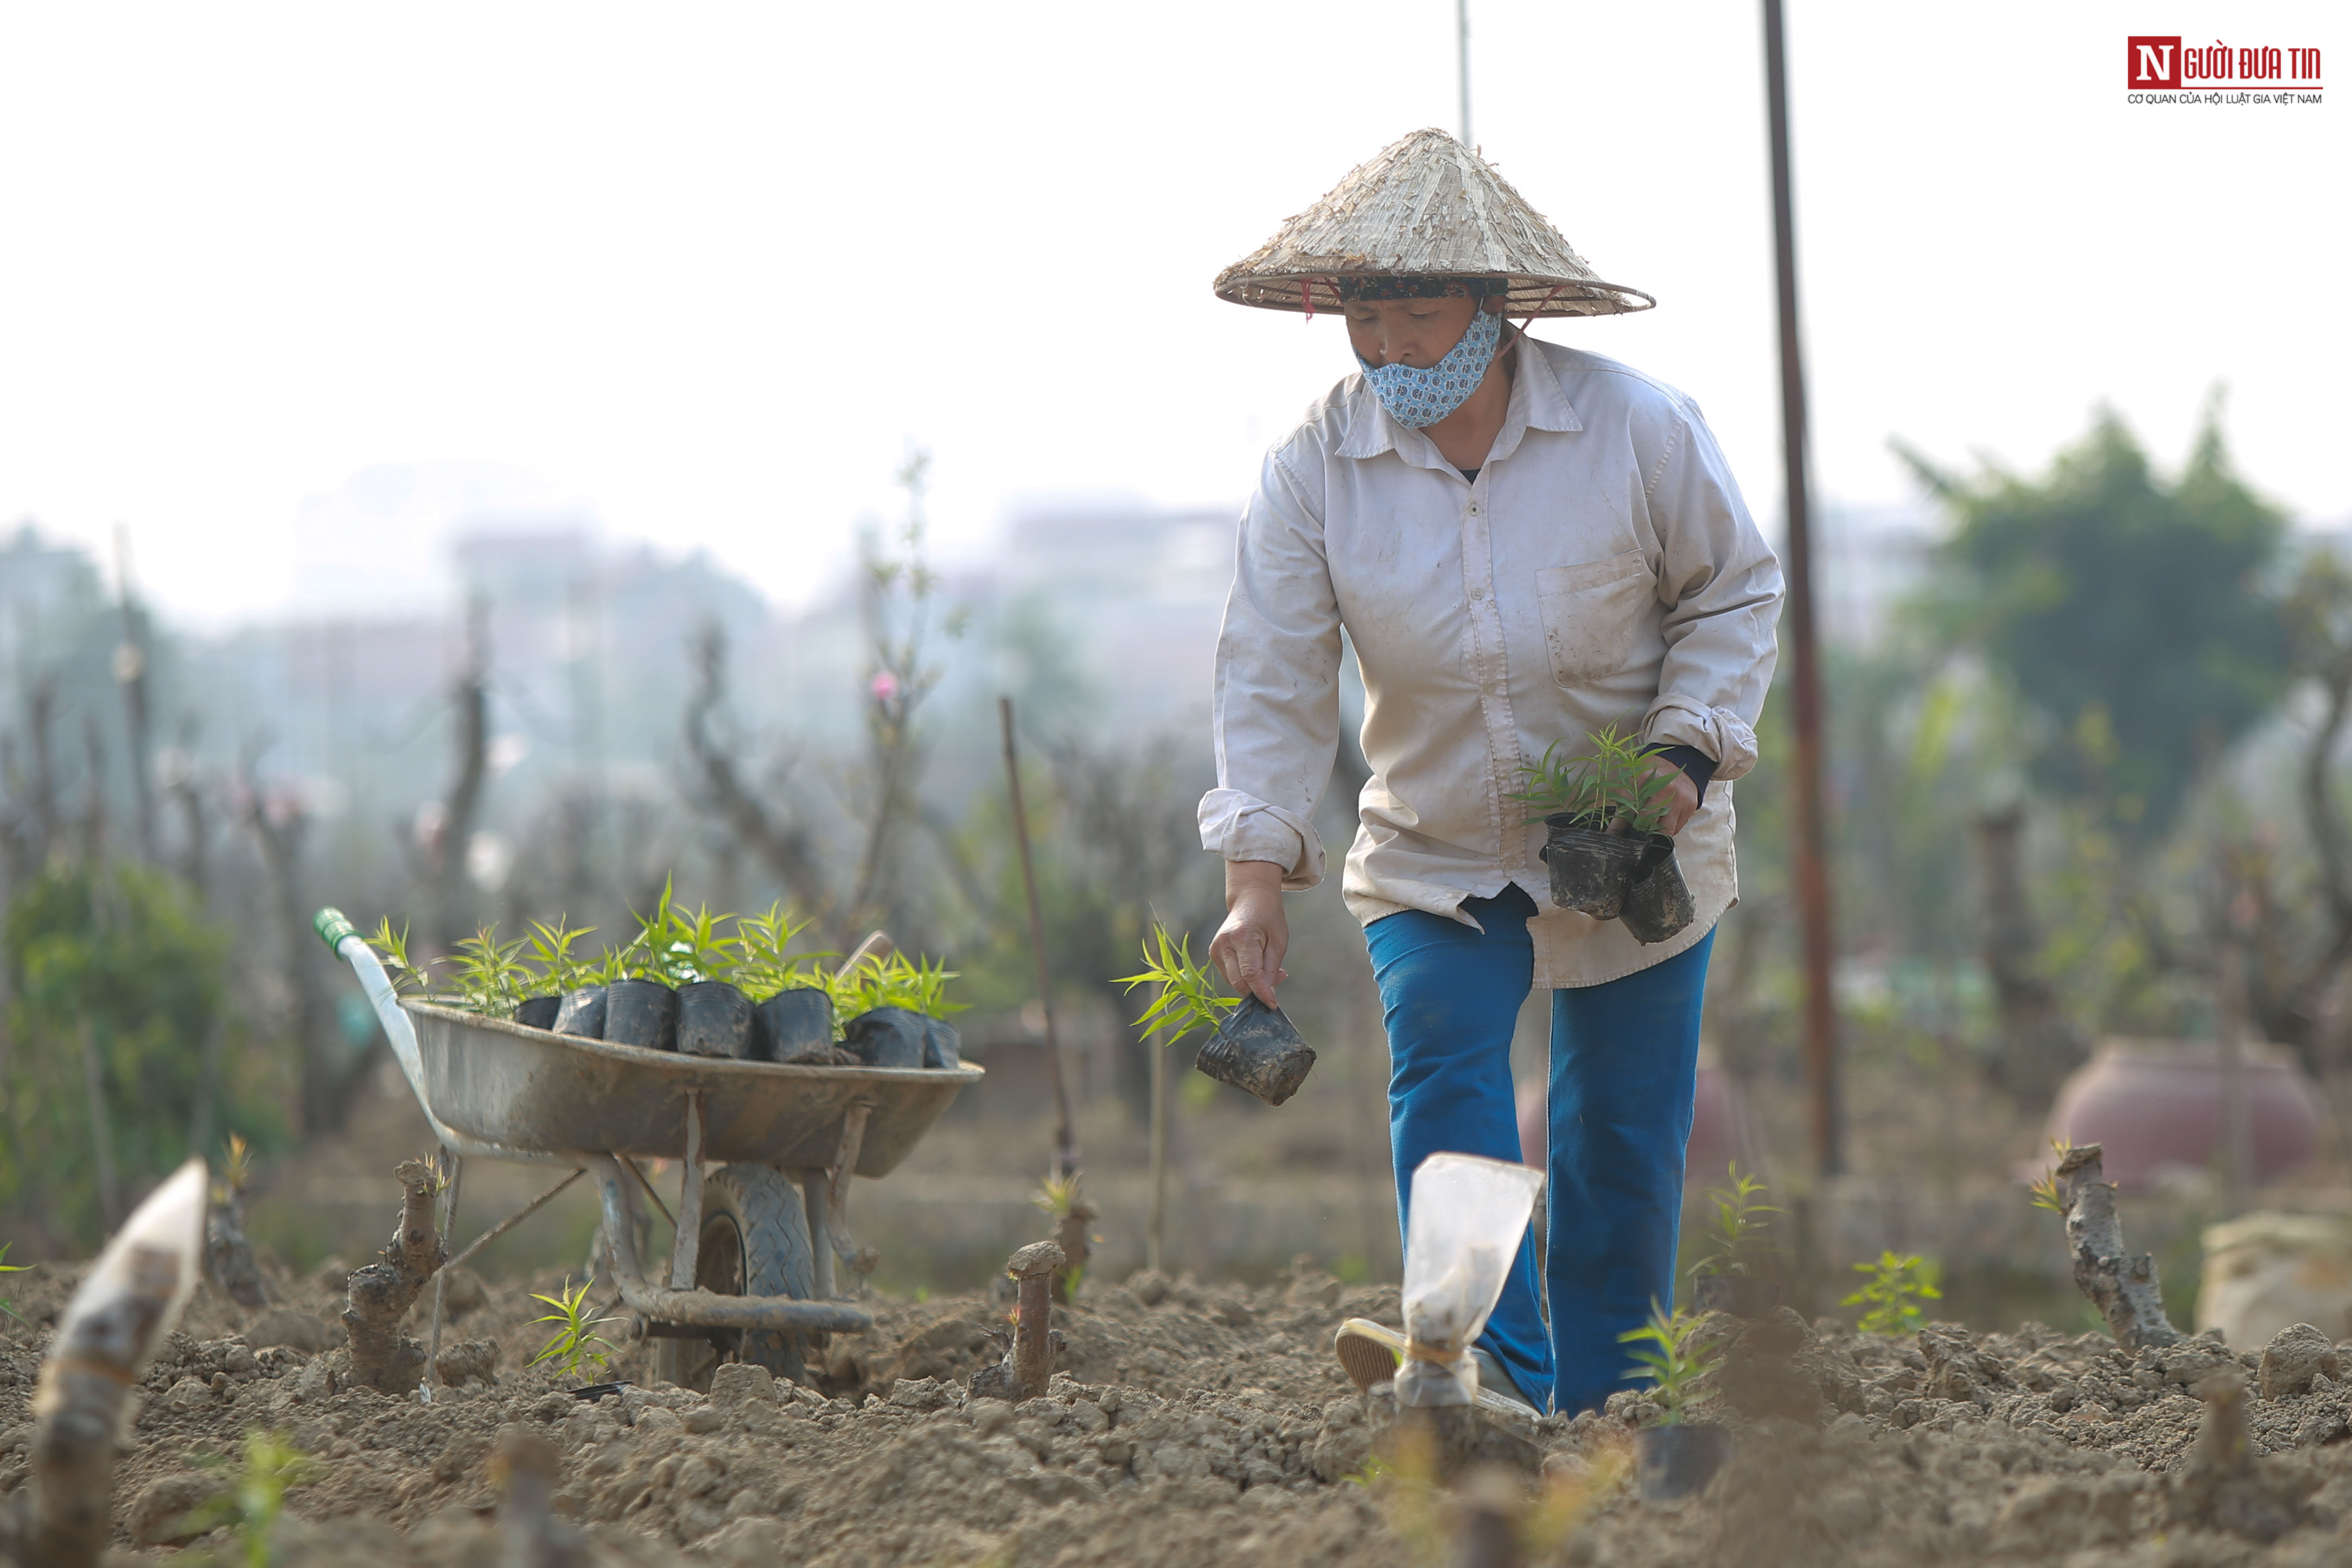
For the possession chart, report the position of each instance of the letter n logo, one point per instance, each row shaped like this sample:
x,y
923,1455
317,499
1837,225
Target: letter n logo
x,y
2155,62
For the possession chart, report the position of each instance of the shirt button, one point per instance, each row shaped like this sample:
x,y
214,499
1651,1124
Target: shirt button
x,y
1477,595
1474,509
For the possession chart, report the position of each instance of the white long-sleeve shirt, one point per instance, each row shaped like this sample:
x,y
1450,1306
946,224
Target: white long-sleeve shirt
x,y
1601,569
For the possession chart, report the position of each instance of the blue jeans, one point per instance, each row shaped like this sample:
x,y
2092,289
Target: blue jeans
x,y
1624,1059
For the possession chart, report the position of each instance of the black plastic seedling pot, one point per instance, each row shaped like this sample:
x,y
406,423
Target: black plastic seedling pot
x,y
1257,1049
582,1013
714,1019
1591,867
1677,1461
1658,902
537,1012
1741,1295
791,1022
886,1038
902,1038
641,1013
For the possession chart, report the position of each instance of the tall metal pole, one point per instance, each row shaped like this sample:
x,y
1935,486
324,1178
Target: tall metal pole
x,y
1065,1143
1811,874
1462,63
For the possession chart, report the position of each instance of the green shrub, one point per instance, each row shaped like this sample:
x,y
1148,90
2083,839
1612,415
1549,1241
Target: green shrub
x,y
119,967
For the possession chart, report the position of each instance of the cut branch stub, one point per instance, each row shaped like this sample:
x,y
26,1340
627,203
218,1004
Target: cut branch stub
x,y
1028,1367
1033,1347
380,1295
2123,1287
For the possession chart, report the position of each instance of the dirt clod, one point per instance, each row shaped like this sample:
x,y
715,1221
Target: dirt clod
x,y
2296,1357
164,1509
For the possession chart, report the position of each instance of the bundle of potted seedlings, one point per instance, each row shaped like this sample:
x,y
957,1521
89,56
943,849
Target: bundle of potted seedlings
x,y
645,1004
1674,1458
1603,847
1721,1280
561,973
687,982
897,1009
792,999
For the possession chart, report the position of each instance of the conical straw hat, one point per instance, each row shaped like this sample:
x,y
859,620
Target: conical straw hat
x,y
1427,207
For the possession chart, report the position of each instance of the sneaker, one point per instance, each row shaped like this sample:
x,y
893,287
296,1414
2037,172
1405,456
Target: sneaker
x,y
1493,1379
1370,1353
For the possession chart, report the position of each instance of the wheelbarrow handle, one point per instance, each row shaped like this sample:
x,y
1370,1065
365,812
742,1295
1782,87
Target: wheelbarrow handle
x,y
333,926
344,939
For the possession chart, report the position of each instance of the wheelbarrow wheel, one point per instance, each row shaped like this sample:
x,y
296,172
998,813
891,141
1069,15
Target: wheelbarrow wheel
x,y
755,1242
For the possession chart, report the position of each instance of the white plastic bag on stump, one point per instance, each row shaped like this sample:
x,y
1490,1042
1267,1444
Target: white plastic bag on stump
x,y
1468,1217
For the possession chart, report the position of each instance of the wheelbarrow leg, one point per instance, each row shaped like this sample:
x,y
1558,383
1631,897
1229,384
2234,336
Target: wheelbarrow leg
x,y
837,1242
687,1247
816,1198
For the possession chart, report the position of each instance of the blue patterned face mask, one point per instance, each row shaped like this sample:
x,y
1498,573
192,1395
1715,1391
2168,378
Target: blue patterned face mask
x,y
1417,397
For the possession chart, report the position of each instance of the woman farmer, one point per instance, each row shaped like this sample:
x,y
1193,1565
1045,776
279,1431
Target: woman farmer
x,y
1525,543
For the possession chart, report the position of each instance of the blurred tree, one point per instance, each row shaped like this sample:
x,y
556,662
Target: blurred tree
x,y
884,800
116,984
2132,616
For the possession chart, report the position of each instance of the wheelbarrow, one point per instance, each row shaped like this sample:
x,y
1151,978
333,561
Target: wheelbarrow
x,y
766,1150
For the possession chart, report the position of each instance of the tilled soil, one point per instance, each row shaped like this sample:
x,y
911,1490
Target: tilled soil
x,y
1192,1425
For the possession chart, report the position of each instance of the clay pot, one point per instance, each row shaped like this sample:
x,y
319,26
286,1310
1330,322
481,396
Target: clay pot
x,y
1257,1049
1678,1461
2154,1104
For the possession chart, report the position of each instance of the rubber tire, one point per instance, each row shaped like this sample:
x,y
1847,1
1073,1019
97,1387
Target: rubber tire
x,y
755,1242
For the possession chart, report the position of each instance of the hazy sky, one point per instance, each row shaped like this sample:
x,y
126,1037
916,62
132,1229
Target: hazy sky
x,y
287,288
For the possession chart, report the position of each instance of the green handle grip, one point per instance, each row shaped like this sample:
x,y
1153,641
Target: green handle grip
x,y
332,927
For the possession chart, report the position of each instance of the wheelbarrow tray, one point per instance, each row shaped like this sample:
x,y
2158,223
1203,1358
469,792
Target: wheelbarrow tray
x,y
558,1094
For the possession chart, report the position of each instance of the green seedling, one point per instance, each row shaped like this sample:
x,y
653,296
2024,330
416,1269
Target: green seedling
x,y
489,977
1057,1195
237,1170
575,1342
1188,1002
8,1268
1674,1362
917,986
765,965
391,947
561,970
1736,1223
2046,1193
1897,1284
250,1508
1617,781
618,964
679,949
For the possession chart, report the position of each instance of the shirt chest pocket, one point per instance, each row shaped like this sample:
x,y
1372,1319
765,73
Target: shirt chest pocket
x,y
1591,614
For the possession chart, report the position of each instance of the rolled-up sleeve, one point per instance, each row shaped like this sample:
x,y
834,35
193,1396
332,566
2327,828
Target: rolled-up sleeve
x,y
1721,586
1275,705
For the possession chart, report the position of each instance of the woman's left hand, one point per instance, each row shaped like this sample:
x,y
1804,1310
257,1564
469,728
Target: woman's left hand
x,y
1682,796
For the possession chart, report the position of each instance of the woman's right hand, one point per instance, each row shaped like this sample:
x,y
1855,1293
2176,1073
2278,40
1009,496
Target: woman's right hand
x,y
1249,947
